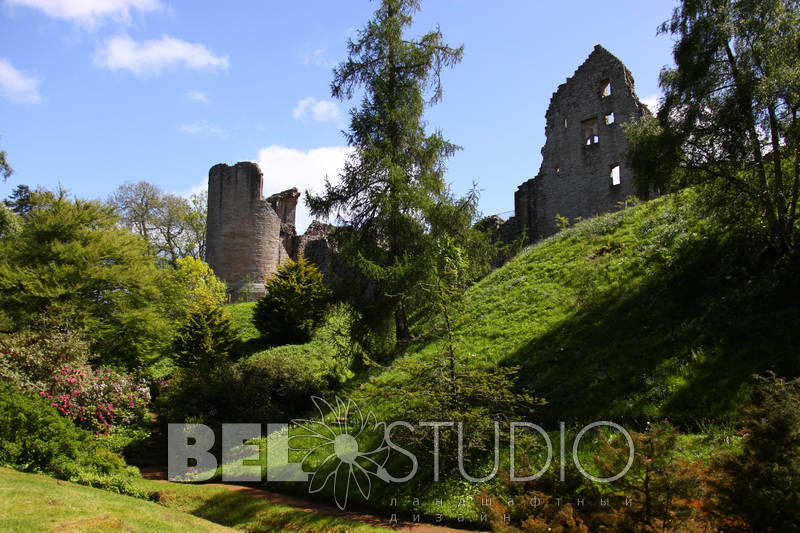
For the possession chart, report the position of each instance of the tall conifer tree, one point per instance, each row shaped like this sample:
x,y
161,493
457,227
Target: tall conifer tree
x,y
394,179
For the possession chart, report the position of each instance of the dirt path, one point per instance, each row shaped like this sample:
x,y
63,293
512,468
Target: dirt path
x,y
157,474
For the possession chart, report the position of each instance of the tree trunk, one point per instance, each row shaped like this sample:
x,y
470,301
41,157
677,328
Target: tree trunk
x,y
402,332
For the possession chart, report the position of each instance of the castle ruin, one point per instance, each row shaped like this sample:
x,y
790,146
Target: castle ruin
x,y
583,171
249,236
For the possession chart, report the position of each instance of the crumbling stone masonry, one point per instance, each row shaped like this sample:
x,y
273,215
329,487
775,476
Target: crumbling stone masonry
x,y
247,236
583,171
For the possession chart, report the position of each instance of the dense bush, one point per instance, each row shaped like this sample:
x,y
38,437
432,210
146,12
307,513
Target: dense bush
x,y
272,385
31,357
761,485
295,304
193,281
51,362
264,391
70,257
34,438
98,400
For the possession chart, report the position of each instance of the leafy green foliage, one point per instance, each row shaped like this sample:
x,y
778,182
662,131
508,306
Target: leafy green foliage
x,y
389,188
51,362
32,357
267,388
730,113
205,334
9,221
264,385
294,305
195,282
71,259
34,438
762,483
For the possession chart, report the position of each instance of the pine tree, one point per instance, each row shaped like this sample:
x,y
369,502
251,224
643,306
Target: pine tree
x,y
395,176
205,337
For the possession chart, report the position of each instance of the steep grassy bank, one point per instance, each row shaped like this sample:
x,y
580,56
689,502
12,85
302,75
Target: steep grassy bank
x,y
649,312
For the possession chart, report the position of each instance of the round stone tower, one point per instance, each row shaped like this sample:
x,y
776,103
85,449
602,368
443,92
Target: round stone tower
x,y
243,236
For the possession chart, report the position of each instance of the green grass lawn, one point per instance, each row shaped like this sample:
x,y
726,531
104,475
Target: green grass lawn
x,y
31,502
244,512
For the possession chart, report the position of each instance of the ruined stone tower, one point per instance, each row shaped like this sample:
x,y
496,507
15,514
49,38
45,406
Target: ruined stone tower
x,y
248,236
583,171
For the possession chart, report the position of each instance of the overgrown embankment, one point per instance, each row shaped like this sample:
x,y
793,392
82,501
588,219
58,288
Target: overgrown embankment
x,y
653,311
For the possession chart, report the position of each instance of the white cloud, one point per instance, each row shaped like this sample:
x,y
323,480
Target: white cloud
x,y
198,96
320,110
653,102
203,127
317,57
90,13
148,58
285,168
194,189
17,86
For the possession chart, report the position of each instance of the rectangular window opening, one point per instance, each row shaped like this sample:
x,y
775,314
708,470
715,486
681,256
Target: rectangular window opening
x,y
610,118
590,133
605,88
615,175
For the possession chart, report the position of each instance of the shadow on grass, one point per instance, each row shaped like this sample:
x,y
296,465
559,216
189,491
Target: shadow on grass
x,y
253,512
683,345
244,349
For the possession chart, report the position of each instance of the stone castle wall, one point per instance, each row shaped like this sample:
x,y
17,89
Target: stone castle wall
x,y
248,236
583,171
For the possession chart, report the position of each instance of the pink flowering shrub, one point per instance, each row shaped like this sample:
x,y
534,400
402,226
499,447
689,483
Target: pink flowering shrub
x,y
99,399
53,365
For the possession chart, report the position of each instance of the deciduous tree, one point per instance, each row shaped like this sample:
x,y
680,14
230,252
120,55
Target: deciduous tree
x,y
173,226
5,168
731,112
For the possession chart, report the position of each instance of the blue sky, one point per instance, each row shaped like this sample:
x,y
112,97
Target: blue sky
x,y
95,93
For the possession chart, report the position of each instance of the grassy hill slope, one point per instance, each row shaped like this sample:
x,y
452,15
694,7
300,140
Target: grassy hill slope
x,y
648,312
31,502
